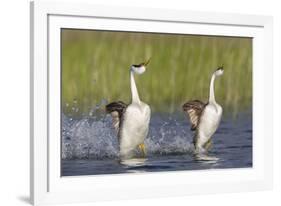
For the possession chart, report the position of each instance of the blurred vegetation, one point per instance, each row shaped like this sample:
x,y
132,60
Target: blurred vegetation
x,y
95,69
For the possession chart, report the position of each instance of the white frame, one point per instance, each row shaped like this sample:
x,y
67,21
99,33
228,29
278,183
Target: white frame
x,y
47,18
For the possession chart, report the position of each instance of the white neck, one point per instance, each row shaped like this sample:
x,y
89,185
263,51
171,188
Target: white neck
x,y
212,90
134,91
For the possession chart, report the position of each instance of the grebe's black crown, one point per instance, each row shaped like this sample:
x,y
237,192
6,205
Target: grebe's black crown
x,y
137,65
142,64
220,68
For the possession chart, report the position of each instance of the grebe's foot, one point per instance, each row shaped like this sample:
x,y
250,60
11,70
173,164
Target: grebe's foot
x,y
208,145
142,149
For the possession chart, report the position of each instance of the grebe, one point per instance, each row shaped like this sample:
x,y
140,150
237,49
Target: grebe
x,y
131,121
204,118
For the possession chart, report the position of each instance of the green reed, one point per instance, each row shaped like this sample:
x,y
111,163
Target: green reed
x,y
95,67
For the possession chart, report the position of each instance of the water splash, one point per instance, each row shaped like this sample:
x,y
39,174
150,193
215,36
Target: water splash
x,y
93,137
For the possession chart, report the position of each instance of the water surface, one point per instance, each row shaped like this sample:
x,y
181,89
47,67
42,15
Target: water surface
x,y
90,146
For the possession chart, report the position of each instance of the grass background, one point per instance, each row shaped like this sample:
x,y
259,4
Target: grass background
x,y
95,70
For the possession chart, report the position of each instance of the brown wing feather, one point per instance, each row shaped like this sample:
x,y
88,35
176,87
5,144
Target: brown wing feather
x,y
193,110
116,110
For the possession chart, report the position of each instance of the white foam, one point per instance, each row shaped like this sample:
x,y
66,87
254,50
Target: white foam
x,y
94,138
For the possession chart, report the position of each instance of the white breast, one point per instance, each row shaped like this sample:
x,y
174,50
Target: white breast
x,y
134,127
209,122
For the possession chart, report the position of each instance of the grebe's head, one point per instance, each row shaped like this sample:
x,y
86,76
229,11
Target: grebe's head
x,y
139,68
219,71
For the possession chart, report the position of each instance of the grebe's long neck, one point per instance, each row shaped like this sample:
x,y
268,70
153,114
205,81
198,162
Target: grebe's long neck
x,y
134,91
212,90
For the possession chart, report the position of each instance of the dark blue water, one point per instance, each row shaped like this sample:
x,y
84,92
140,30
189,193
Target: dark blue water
x,y
90,147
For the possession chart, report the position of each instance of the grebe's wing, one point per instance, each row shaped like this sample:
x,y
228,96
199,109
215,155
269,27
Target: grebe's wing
x,y
193,110
116,110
